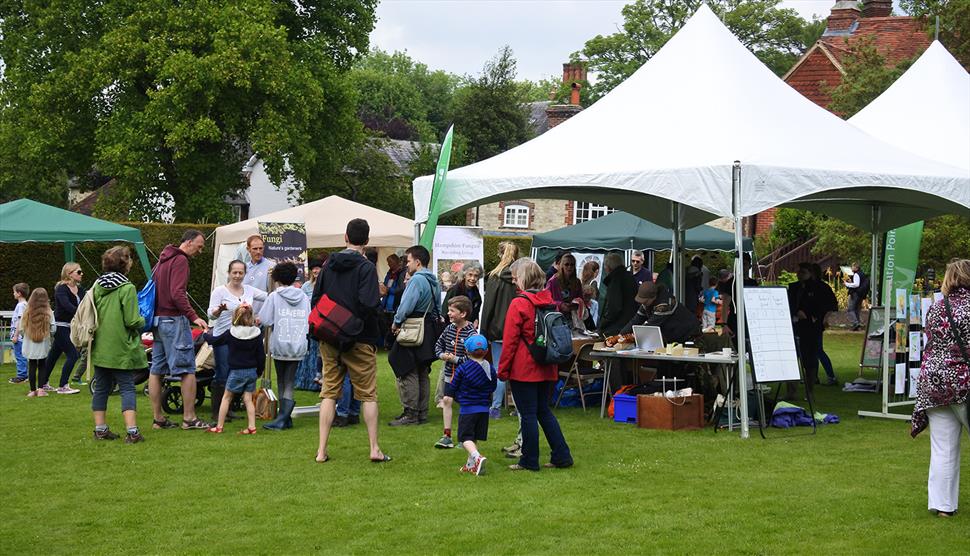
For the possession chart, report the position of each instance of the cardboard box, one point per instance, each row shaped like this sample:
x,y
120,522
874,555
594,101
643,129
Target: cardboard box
x,y
672,414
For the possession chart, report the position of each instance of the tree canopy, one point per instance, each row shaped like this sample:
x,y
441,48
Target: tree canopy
x,y
777,36
174,96
954,23
866,77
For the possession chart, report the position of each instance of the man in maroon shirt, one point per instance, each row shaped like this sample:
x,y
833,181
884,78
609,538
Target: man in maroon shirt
x,y
173,352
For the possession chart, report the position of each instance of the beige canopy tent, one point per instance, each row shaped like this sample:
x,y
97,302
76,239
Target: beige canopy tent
x,y
326,221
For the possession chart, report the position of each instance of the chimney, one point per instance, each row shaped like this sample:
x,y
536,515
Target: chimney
x,y
877,8
573,74
844,14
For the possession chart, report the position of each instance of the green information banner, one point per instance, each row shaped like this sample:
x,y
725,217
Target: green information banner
x,y
441,173
902,258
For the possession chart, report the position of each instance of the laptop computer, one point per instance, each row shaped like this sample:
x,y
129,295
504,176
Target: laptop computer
x,y
648,338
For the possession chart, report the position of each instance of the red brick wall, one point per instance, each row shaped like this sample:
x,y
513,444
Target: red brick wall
x,y
814,74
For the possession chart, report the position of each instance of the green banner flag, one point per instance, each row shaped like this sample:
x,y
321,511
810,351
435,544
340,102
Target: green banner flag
x,y
441,173
902,258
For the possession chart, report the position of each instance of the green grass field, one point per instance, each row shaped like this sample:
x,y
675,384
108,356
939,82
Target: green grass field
x,y
856,488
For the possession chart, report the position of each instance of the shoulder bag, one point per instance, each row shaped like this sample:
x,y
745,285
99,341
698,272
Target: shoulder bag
x,y
412,331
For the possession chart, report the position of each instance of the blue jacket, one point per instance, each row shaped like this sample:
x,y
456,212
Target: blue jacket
x,y
421,293
473,386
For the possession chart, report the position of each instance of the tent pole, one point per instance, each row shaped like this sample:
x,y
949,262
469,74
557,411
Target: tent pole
x,y
143,258
739,299
68,252
417,233
675,252
874,271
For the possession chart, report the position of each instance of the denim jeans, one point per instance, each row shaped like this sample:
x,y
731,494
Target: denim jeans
x,y
824,360
104,382
498,397
532,403
220,354
18,355
62,344
347,405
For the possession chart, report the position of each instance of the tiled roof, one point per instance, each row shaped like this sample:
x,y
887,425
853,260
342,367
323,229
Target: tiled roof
x,y
538,119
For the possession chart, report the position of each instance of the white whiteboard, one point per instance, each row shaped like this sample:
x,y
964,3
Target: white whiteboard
x,y
769,329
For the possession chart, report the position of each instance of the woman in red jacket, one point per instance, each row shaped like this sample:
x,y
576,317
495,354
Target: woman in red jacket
x,y
531,382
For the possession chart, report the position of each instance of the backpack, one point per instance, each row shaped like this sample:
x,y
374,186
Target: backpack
x,y
554,338
331,322
146,304
863,285
85,322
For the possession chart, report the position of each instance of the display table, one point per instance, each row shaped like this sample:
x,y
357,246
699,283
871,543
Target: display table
x,y
608,357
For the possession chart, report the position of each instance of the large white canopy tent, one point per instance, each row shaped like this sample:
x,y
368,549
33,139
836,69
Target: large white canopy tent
x,y
927,112
326,222
663,145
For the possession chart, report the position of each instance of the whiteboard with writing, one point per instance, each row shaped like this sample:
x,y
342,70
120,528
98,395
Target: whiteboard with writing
x,y
770,332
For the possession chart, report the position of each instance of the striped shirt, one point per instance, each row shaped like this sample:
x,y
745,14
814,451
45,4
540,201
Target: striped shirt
x,y
452,341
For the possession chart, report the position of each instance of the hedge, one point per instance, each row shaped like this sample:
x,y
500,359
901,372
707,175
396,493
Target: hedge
x,y
39,264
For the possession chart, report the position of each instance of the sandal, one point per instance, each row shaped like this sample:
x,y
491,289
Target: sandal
x,y
248,431
383,459
215,430
325,459
163,424
194,424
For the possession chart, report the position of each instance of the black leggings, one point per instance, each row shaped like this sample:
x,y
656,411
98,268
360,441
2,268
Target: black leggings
x,y
35,367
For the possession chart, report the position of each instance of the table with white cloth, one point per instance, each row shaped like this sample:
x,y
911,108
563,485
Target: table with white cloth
x,y
608,357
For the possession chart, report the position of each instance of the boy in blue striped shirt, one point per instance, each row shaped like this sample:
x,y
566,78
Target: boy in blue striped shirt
x,y
450,348
472,385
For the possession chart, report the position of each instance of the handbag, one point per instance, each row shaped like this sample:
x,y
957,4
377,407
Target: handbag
x,y
958,339
265,400
412,330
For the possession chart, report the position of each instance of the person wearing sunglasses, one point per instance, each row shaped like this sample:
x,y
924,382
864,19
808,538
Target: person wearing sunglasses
x,y
67,296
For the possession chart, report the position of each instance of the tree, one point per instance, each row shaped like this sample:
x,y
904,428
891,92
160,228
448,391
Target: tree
x,y
866,77
402,98
490,115
954,23
777,36
175,96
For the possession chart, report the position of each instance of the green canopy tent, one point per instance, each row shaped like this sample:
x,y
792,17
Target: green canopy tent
x,y
24,221
624,231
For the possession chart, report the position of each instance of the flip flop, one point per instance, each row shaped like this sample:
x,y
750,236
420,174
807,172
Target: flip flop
x,y
383,459
325,459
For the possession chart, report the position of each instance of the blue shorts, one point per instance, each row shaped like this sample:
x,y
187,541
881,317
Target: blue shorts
x,y
173,352
241,380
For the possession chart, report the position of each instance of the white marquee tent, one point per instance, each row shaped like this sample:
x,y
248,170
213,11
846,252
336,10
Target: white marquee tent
x,y
326,221
663,145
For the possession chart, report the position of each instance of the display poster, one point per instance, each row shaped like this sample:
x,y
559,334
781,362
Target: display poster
x,y
913,374
902,334
901,298
454,247
900,376
926,303
594,260
285,242
915,309
915,341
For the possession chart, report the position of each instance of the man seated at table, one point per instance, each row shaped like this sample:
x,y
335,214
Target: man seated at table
x,y
659,308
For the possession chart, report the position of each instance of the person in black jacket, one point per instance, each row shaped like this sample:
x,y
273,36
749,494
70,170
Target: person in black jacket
x,y
809,303
621,288
350,280
659,308
467,285
67,296
247,359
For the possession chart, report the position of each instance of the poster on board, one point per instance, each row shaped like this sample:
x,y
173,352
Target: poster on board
x,y
772,338
285,242
454,247
595,263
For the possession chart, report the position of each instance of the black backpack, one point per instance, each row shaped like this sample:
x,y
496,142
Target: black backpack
x,y
554,338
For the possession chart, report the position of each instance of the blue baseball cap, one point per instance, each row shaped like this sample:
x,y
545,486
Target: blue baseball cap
x,y
476,342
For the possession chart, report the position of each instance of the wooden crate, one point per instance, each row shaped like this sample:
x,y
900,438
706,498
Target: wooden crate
x,y
672,414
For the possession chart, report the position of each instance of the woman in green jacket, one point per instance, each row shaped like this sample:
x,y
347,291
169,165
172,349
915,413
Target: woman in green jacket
x,y
117,350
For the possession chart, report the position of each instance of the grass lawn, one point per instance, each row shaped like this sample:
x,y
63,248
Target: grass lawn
x,y
856,488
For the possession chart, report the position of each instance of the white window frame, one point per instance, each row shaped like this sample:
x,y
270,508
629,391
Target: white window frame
x,y
591,211
517,211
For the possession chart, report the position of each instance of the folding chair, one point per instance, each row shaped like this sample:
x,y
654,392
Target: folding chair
x,y
581,362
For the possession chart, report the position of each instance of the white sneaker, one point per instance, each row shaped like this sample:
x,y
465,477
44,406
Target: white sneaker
x,y
67,390
479,465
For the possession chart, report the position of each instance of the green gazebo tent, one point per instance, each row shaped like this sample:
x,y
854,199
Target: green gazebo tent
x,y
24,221
624,231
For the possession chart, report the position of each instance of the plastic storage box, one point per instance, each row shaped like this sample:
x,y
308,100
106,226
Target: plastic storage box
x,y
625,409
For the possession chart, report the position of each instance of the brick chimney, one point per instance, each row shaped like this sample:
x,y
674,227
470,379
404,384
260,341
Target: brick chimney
x,y
877,8
844,14
573,74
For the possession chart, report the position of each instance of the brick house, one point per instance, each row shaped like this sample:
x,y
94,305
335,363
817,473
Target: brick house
x,y
898,38
526,216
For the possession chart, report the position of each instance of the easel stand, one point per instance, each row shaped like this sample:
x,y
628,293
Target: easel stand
x,y
889,353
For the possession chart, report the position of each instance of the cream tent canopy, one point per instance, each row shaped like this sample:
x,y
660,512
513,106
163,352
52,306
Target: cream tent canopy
x,y
668,136
326,221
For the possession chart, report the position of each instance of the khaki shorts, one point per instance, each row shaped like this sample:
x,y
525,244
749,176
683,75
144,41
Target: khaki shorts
x,y
360,361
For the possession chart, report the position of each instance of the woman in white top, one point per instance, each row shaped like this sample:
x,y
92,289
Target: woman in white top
x,y
222,303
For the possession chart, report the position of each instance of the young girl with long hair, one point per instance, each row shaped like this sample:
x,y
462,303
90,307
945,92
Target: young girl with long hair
x,y
36,329
247,358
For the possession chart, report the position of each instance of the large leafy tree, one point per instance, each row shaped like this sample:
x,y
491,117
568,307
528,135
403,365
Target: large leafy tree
x,y
776,35
402,98
173,96
490,116
866,77
954,23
